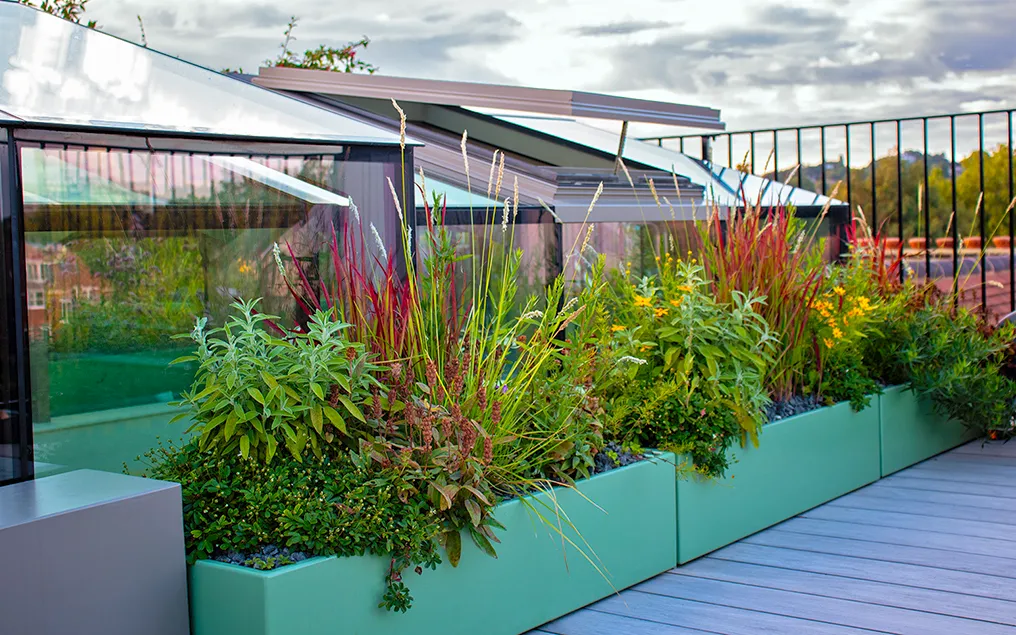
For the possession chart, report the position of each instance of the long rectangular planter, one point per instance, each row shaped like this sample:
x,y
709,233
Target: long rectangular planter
x,y
913,431
801,462
626,519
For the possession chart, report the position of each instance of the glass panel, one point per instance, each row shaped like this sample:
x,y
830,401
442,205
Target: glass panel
x,y
454,196
124,249
538,242
54,70
631,246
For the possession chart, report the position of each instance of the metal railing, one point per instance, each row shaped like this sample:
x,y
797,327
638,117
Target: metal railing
x,y
886,174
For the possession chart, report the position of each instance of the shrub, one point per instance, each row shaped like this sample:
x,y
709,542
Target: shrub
x,y
692,380
340,505
254,391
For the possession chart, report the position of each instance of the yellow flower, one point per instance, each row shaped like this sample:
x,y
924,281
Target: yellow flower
x,y
643,301
676,302
823,312
828,343
617,327
643,349
660,312
831,322
837,333
840,291
685,287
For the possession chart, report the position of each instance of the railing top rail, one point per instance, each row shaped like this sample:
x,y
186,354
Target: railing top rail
x,y
820,126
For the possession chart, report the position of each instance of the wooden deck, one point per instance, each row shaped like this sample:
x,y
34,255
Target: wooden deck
x,y
929,550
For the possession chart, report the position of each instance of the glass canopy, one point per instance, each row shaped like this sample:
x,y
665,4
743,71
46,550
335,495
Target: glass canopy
x,y
724,187
54,71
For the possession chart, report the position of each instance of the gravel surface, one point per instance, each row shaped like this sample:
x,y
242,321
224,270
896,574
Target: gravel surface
x,y
793,406
267,557
605,462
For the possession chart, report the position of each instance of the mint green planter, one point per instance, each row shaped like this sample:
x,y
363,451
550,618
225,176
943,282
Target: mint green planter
x,y
801,462
626,517
912,431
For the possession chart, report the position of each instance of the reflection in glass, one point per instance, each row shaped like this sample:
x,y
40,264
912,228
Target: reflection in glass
x,y
125,249
55,70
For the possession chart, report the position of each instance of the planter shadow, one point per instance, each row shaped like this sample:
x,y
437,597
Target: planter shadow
x,y
801,462
626,517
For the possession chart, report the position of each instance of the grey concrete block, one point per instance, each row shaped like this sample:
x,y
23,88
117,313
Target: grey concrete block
x,y
92,553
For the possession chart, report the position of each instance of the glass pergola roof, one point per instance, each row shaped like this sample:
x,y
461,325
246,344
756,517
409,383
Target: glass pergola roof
x,y
724,186
56,72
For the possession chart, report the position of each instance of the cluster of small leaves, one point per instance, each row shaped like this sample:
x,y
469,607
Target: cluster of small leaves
x,y
845,377
254,391
342,505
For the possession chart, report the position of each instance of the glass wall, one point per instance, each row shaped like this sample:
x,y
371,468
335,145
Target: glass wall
x,y
624,245
125,249
484,243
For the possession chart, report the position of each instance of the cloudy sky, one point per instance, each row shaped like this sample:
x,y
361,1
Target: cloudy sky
x,y
762,62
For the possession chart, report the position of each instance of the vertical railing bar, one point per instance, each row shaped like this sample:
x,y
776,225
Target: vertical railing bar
x,y
874,185
926,204
899,187
825,187
800,168
954,216
682,145
752,149
984,214
846,139
1012,221
776,159
730,151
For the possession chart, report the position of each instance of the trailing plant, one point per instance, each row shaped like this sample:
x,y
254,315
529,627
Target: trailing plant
x,y
255,391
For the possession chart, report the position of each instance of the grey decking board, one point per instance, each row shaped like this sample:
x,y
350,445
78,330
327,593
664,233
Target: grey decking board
x,y
818,608
719,618
955,472
862,500
980,501
907,537
867,591
958,582
931,558
907,481
991,449
593,622
951,526
931,549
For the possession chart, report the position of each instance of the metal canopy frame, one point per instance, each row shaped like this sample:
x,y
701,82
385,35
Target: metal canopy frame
x,y
534,100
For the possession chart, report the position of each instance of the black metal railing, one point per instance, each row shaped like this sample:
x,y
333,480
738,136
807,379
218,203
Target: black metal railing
x,y
946,200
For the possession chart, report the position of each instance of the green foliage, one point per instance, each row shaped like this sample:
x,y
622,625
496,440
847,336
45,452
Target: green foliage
x,y
768,254
152,290
66,9
254,391
323,58
953,358
341,505
692,379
